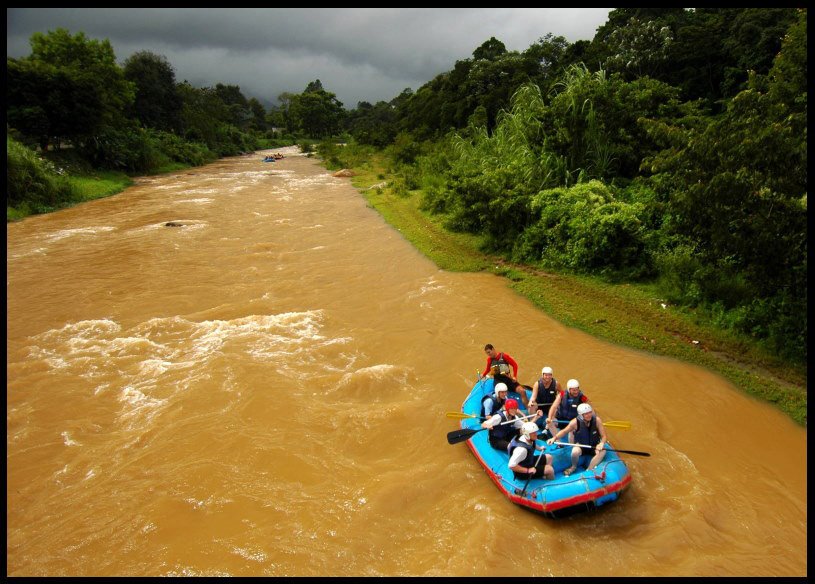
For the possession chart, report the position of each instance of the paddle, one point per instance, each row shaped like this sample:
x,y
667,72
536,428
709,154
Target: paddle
x,y
619,424
457,436
463,416
636,452
532,474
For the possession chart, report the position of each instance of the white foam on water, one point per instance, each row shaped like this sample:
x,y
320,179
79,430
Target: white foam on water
x,y
66,439
426,288
310,181
155,367
139,405
200,191
375,373
25,254
65,233
255,556
150,366
201,201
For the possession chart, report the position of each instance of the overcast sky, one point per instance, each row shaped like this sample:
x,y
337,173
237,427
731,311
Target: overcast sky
x,y
360,54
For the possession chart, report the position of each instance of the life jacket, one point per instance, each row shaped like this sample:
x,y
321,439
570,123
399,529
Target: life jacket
x,y
546,396
587,433
527,462
503,366
567,410
498,403
505,431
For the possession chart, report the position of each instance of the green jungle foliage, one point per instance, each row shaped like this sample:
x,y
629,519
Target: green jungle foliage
x,y
601,159
34,184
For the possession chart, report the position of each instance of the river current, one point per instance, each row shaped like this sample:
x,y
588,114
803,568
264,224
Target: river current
x,y
261,389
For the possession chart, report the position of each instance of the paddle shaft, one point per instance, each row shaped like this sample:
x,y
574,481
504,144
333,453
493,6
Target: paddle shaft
x,y
463,416
457,436
619,424
636,452
537,462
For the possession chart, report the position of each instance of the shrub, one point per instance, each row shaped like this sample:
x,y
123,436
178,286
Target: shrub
x,y
34,183
129,150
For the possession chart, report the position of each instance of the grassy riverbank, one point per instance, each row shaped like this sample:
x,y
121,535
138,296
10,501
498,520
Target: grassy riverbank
x,y
629,315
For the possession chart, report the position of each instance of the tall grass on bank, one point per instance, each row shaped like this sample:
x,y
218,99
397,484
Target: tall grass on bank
x,y
34,185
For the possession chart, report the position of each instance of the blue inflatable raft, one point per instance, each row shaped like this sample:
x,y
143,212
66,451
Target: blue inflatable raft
x,y
564,495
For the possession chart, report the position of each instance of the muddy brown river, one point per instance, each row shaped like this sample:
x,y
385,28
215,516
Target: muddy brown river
x,y
261,391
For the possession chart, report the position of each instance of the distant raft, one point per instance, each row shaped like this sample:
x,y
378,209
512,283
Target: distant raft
x,y
269,159
564,495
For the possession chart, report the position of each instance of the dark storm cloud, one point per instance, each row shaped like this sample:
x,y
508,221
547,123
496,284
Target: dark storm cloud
x,y
357,53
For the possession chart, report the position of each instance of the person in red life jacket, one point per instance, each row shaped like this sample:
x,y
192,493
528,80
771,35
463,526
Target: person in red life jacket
x,y
588,429
522,460
503,369
500,433
565,405
544,393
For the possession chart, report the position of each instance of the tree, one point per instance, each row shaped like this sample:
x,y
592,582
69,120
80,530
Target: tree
x,y
69,87
640,48
490,50
202,111
373,124
236,103
316,112
737,195
157,102
314,87
258,121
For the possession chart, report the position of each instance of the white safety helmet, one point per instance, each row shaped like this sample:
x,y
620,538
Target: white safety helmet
x,y
547,370
529,428
572,383
583,409
500,387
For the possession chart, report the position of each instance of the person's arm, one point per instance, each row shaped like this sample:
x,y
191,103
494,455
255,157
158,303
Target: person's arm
x,y
533,399
570,427
488,405
514,366
515,460
487,370
553,409
602,430
491,422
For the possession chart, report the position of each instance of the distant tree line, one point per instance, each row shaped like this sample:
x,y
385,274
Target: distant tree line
x,y
71,90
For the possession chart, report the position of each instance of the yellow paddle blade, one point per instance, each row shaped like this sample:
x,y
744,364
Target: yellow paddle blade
x,y
459,415
620,425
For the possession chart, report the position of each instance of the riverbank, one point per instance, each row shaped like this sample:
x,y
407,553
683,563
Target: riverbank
x,y
628,315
